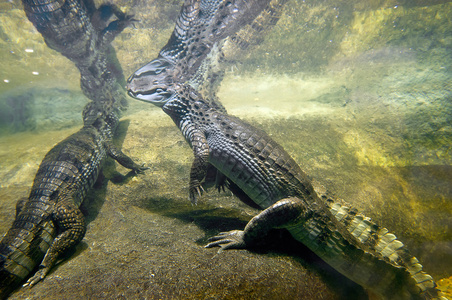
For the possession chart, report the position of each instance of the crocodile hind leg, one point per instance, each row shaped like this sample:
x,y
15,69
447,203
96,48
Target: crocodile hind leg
x,y
72,226
282,213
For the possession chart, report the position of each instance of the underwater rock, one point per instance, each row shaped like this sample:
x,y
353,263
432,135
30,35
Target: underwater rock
x,y
40,109
145,239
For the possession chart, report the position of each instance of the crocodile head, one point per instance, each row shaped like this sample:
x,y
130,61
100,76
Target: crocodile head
x,y
151,82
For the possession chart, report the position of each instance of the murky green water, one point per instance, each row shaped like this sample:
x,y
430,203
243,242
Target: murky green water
x,y
358,93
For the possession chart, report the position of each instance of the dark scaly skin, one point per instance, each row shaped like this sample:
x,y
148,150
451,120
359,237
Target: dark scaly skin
x,y
262,172
49,222
210,73
83,34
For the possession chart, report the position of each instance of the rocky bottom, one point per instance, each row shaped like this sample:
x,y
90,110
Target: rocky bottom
x,y
145,240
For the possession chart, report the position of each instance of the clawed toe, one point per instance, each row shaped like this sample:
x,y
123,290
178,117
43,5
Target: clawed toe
x,y
195,192
141,169
227,240
36,278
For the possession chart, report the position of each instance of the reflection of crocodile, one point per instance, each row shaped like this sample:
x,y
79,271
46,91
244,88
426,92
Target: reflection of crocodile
x,y
49,222
82,33
261,172
203,24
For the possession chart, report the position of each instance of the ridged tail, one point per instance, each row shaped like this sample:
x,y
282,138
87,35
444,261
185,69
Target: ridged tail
x,y
376,260
385,244
22,249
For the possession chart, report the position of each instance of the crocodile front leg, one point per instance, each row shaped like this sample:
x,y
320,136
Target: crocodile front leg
x,y
199,166
281,214
123,159
103,13
72,226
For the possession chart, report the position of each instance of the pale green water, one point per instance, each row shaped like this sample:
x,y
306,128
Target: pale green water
x,y
362,101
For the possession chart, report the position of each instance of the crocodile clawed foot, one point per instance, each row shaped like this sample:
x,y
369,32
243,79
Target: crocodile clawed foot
x,y
221,187
195,191
140,169
227,240
39,275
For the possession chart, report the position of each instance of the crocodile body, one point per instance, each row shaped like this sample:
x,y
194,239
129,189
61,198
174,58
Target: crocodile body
x,y
83,34
263,173
49,222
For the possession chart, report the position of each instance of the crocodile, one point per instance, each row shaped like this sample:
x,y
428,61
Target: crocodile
x,y
83,33
207,34
262,173
49,221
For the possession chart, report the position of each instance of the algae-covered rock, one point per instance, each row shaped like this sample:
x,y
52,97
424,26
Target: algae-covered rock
x,y
145,239
423,29
311,34
40,109
26,59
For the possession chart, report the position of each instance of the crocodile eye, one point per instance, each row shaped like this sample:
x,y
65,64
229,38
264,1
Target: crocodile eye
x,y
159,91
